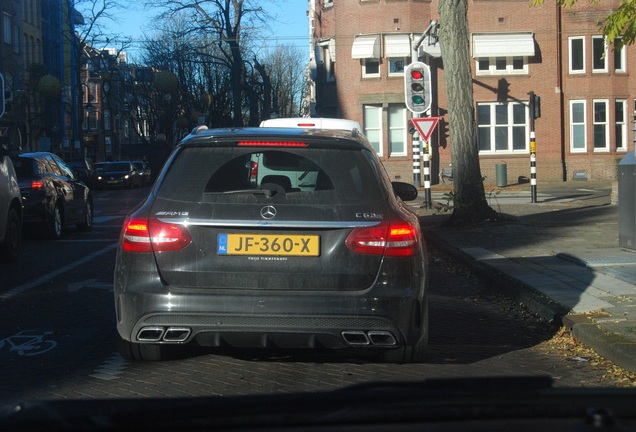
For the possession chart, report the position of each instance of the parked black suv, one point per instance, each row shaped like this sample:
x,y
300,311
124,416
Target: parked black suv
x,y
214,257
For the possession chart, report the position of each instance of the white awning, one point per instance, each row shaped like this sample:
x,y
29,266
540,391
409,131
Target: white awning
x,y
366,47
503,45
332,49
397,45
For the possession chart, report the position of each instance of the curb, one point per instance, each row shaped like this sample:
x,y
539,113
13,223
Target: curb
x,y
610,345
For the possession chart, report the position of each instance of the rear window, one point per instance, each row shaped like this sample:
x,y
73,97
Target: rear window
x,y
302,176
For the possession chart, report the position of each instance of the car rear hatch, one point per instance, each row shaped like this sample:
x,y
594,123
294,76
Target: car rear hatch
x,y
224,230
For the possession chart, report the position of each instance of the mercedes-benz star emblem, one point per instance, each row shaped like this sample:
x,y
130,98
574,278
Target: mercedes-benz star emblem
x,y
268,212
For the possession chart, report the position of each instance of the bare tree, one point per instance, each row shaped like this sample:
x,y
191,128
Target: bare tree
x,y
225,21
469,197
286,65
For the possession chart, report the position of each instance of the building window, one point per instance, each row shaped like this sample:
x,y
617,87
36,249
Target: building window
x,y
577,54
599,51
373,126
619,57
7,27
396,66
328,57
578,139
502,127
601,129
90,122
397,130
370,68
108,124
108,145
516,65
620,121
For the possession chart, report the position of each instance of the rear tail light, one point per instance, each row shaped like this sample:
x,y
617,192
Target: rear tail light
x,y
397,238
37,184
253,172
152,235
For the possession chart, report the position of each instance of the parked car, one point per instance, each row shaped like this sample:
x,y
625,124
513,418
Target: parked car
x,y
84,171
211,258
313,123
10,210
143,168
122,174
52,197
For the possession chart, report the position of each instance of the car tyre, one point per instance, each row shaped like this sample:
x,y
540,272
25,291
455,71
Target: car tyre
x,y
141,352
410,354
53,225
87,223
12,244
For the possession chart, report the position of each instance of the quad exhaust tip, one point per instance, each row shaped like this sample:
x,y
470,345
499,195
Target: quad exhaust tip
x,y
362,338
159,334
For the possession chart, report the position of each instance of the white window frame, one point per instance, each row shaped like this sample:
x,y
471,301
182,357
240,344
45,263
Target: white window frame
x,y
395,61
376,111
574,124
570,50
398,129
620,128
366,74
510,127
492,66
620,58
602,56
604,123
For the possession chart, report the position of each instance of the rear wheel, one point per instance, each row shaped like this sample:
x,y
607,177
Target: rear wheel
x,y
414,353
53,224
141,352
87,223
10,247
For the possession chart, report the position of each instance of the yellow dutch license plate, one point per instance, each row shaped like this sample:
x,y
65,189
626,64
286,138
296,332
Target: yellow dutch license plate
x,y
268,244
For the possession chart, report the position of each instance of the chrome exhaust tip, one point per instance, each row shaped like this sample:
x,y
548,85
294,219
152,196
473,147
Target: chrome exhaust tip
x,y
150,334
355,337
382,338
176,334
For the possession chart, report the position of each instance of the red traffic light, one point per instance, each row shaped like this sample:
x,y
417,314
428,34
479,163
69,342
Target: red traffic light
x,y
417,74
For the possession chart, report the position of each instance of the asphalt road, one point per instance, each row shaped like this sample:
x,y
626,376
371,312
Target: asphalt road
x,y
57,333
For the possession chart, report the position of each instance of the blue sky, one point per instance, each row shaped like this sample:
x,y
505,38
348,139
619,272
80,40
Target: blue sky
x,y
291,28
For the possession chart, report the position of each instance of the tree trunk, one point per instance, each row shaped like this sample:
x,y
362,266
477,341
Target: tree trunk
x,y
469,199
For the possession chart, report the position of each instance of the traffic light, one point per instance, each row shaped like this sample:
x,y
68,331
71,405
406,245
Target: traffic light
x,y
417,87
535,105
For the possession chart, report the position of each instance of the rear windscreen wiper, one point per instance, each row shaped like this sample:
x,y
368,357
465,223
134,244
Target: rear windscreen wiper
x,y
266,192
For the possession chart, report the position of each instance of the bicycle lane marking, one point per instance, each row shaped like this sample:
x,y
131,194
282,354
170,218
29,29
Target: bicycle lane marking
x,y
47,277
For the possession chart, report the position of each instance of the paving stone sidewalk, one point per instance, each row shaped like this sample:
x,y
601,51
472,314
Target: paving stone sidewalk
x,y
559,256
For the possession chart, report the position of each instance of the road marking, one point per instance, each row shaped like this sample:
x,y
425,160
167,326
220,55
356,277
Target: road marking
x,y
89,283
47,277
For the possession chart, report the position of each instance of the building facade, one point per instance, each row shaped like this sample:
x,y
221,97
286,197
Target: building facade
x,y
586,88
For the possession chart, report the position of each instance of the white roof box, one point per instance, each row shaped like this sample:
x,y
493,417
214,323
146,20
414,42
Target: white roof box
x,y
313,123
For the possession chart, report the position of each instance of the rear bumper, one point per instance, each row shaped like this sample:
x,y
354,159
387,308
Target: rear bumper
x,y
263,319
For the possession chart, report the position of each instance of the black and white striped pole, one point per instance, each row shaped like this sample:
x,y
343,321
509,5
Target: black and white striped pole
x,y
535,113
533,167
428,201
417,178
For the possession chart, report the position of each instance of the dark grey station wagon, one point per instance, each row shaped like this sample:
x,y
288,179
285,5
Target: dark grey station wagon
x,y
271,237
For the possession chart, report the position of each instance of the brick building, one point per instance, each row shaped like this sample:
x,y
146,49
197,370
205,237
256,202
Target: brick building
x,y
361,47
